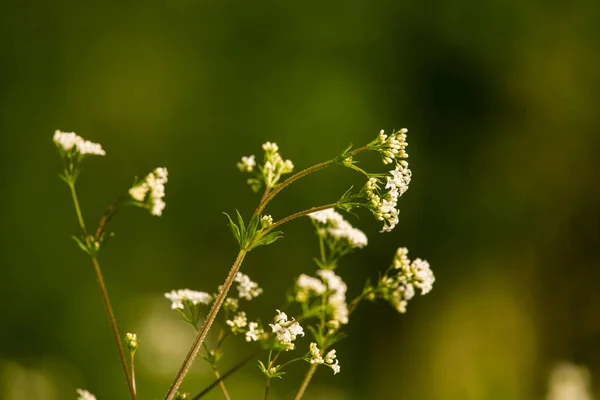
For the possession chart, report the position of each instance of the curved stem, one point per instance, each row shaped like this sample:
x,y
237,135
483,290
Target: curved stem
x,y
357,300
113,325
288,182
297,215
267,198
210,318
306,381
104,292
110,212
78,209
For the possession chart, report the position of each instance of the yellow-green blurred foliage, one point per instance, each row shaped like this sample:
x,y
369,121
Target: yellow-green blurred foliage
x,y
502,102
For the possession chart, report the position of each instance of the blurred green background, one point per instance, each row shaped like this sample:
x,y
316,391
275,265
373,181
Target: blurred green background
x,y
501,99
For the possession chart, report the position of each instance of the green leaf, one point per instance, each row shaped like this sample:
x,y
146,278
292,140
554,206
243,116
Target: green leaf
x,y
253,227
267,239
234,229
262,367
82,244
242,228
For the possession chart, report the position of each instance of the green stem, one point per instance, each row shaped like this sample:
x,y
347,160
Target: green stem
x,y
267,388
358,299
288,182
104,292
110,212
78,209
210,318
306,381
133,373
297,215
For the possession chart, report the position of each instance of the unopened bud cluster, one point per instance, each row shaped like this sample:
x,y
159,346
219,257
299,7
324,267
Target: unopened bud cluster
x,y
270,172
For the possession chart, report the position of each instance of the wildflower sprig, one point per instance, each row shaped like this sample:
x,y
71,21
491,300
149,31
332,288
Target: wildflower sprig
x,y
149,192
189,303
380,193
337,237
270,172
257,233
73,149
400,281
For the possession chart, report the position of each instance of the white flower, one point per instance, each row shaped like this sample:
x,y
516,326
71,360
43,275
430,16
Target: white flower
x,y
153,183
247,164
337,299
339,228
238,322
399,287
286,331
247,289
569,382
85,395
391,147
384,205
254,332
423,275
327,216
69,140
329,360
177,297
307,286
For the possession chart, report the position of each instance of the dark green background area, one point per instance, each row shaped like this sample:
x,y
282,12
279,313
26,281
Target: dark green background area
x,y
501,99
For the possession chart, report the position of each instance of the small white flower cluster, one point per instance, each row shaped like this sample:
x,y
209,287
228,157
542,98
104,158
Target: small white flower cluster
x,y
85,395
153,183
384,206
392,147
178,297
400,288
247,288
132,342
231,304
247,164
266,221
569,382
383,202
238,323
339,228
286,331
336,301
254,332
68,141
330,358
307,286
270,172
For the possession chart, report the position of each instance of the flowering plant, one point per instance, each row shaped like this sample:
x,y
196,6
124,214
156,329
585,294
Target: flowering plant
x,y
317,304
